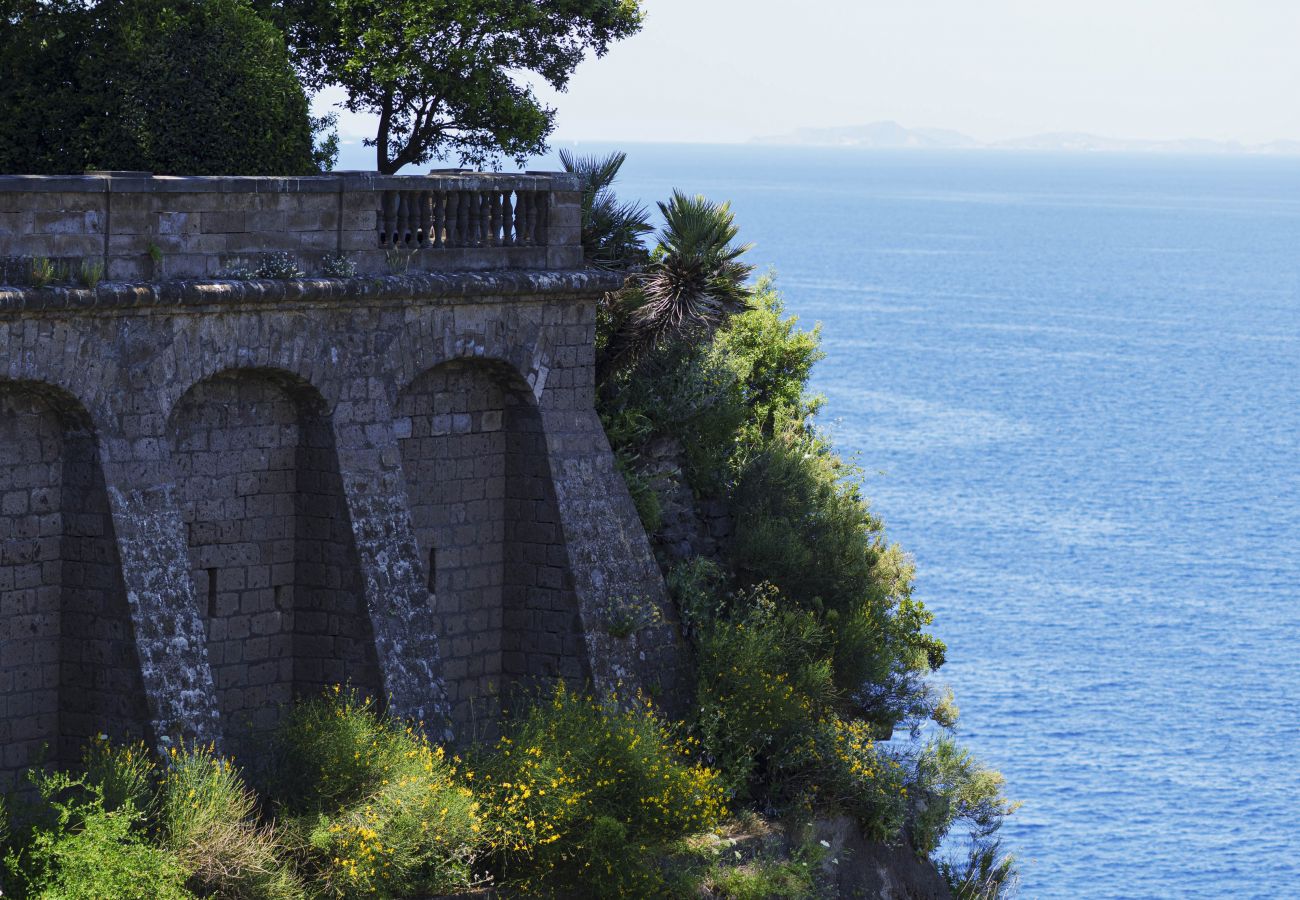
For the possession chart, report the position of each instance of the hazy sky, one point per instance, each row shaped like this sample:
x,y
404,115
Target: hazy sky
x,y
728,70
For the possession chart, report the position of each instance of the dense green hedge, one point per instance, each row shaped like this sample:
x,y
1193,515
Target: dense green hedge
x,y
200,87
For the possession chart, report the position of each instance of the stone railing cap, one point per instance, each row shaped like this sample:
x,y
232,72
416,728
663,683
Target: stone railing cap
x,y
93,182
424,285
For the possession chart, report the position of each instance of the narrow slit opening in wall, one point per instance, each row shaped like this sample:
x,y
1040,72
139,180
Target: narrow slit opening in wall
x,y
279,596
212,593
433,571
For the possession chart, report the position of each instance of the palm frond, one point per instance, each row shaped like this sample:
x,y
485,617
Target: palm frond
x,y
693,283
597,173
612,231
698,279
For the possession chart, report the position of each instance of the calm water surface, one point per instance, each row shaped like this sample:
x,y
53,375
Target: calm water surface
x,y
1074,383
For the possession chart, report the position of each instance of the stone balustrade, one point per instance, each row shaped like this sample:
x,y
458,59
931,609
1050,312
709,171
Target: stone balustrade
x,y
134,226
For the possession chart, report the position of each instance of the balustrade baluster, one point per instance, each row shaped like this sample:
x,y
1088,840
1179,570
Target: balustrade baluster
x,y
453,206
494,218
484,218
537,217
425,202
438,200
387,217
402,235
507,221
463,238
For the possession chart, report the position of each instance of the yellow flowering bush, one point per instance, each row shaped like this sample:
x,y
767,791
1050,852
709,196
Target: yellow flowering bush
x,y
373,807
127,773
579,794
865,781
764,681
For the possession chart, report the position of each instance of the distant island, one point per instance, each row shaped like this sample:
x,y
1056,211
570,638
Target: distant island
x,y
893,136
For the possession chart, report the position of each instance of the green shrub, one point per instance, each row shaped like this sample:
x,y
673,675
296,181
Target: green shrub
x,y
770,360
952,786
126,774
985,874
90,273
764,681
761,879
697,587
82,848
580,794
208,818
679,390
368,805
648,508
43,272
801,524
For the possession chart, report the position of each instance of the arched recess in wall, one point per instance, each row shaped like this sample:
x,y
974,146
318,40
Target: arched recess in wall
x,y
271,550
68,663
483,505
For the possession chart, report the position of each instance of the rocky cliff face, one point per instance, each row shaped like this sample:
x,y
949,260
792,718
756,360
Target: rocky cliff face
x,y
689,527
856,867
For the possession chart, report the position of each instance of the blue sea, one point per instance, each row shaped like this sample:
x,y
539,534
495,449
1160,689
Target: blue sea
x,y
1073,383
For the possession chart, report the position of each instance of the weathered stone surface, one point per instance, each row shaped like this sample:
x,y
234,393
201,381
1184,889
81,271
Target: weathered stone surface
x,y
141,227
217,495
689,527
852,866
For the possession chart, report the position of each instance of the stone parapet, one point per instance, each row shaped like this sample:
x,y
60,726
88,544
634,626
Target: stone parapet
x,y
140,227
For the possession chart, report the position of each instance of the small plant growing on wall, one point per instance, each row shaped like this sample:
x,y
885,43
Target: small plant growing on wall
x,y
280,264
337,265
399,261
91,273
46,271
624,616
156,258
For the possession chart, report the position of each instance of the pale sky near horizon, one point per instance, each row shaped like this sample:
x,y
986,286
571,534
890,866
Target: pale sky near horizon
x,y
718,71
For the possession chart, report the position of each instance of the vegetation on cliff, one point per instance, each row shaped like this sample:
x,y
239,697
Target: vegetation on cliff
x,y
579,797
811,649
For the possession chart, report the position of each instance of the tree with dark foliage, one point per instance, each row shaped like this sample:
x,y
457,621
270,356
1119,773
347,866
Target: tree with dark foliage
x,y
444,77
196,87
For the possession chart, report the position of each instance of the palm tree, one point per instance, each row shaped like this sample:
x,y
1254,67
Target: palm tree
x,y
697,279
612,232
694,282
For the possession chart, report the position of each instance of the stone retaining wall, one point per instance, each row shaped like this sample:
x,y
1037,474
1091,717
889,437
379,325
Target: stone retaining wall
x,y
217,495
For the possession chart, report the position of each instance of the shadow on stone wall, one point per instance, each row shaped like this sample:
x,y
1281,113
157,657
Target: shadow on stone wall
x,y
484,511
272,557
68,664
